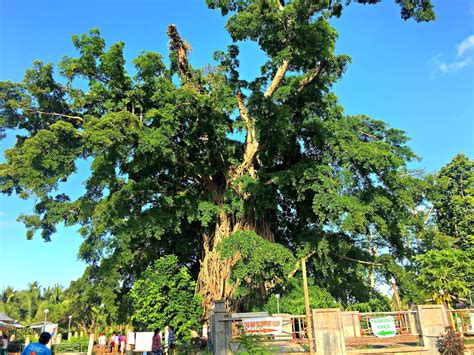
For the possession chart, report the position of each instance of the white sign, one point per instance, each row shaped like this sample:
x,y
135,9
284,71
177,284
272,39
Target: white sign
x,y
143,341
50,328
131,338
383,327
263,325
472,321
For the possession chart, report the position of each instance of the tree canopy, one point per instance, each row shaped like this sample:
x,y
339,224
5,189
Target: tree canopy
x,y
181,158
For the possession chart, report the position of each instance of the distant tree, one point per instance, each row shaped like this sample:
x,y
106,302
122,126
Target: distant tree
x,y
446,266
164,295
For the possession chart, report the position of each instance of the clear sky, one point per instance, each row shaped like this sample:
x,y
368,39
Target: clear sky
x,y
418,77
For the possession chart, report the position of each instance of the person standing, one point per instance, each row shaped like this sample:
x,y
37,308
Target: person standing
x,y
115,342
156,346
102,343
123,341
171,339
4,344
40,347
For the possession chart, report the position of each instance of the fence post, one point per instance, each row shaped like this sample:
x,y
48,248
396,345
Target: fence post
x,y
329,331
412,324
220,329
91,344
432,320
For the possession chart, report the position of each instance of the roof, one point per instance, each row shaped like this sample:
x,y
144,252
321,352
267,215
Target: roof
x,y
5,318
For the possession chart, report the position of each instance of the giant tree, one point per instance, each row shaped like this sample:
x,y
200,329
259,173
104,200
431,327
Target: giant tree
x,y
177,166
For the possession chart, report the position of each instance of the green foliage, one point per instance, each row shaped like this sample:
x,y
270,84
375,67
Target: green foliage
x,y
451,192
377,303
260,262
292,299
410,290
446,266
164,295
447,270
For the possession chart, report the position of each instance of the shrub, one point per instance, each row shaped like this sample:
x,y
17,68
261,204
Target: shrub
x,y
450,343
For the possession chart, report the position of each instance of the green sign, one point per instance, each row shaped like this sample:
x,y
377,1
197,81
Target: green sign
x,y
383,327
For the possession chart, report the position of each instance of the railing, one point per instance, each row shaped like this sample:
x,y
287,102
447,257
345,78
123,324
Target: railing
x,y
359,323
462,320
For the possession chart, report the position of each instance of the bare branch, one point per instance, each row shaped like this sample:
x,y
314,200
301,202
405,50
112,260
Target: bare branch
x,y
359,261
182,48
367,134
77,118
306,257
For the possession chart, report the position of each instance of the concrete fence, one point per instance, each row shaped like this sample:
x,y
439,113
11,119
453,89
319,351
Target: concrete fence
x,y
333,329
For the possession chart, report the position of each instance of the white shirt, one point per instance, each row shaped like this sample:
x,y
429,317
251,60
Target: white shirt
x,y
102,340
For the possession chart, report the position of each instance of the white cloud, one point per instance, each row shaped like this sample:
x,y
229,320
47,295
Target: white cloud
x,y
445,68
465,45
462,60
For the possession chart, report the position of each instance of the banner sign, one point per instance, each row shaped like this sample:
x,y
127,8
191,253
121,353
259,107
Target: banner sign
x,y
131,338
263,325
143,341
383,327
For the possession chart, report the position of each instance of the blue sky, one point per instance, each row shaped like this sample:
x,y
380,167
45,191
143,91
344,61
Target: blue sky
x,y
418,77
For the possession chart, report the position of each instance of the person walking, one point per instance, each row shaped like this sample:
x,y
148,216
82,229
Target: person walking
x,y
40,347
156,346
115,342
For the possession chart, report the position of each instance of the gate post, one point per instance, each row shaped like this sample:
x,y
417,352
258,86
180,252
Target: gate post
x,y
220,329
328,331
432,320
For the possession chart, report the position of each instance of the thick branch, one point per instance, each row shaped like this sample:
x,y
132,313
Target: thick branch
x,y
181,48
279,75
298,264
251,143
77,118
307,80
428,215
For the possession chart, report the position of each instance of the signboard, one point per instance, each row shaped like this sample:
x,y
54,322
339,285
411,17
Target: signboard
x,y
143,341
263,325
471,315
131,338
383,327
50,328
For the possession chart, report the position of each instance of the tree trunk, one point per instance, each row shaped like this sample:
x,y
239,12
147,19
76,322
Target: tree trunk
x,y
213,281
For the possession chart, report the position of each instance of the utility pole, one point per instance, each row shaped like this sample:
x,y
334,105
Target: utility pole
x,y
396,294
309,328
